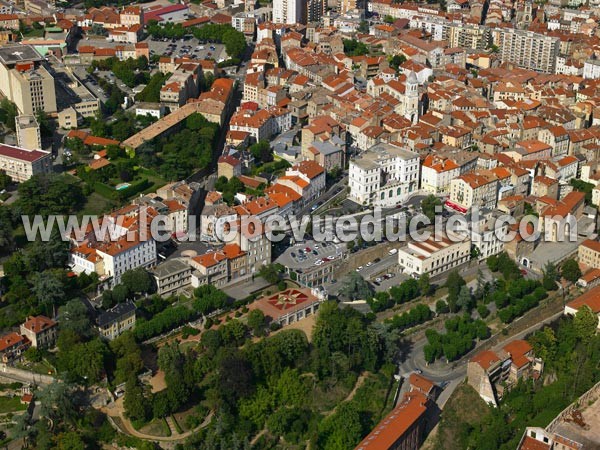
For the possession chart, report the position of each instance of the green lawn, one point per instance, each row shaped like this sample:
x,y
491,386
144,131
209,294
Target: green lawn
x,y
11,404
97,204
41,367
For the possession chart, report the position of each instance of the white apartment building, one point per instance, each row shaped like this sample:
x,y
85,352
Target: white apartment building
x,y
527,49
591,69
437,173
472,189
384,175
436,255
484,236
289,11
21,164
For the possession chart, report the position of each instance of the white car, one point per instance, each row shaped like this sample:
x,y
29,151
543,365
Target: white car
x,y
369,264
359,268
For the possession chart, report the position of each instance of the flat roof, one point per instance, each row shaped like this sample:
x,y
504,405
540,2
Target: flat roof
x,y
12,54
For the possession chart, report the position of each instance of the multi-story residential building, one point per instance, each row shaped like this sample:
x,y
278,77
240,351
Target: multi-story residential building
x,y
131,15
183,84
21,164
588,253
259,124
25,81
485,371
171,276
307,178
557,138
591,69
127,244
315,9
28,132
437,173
41,331
289,11
434,256
473,36
384,175
12,346
115,321
328,154
473,189
527,49
486,235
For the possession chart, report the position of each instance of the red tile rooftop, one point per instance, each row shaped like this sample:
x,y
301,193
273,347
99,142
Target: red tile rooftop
x,y
22,154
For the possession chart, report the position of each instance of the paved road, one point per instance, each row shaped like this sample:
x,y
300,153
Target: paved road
x,y
24,376
453,372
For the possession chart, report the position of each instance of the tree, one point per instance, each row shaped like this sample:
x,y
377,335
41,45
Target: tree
x,y
454,283
74,316
550,276
570,270
425,287
441,307
70,440
464,299
585,323
363,27
428,205
352,47
396,61
58,403
5,180
137,281
8,113
134,401
256,322
270,273
262,152
120,293
354,287
48,289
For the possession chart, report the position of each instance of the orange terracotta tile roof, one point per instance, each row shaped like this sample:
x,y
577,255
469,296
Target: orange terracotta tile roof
x,y
412,408
485,359
530,443
591,298
39,323
517,350
9,340
421,383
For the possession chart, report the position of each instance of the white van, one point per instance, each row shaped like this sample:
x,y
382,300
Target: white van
x,y
393,251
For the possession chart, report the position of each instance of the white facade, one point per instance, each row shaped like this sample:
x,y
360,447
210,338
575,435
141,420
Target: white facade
x,y
288,11
384,175
434,256
591,69
21,164
142,254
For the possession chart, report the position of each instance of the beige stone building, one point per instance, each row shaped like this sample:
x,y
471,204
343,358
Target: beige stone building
x,y
41,331
28,132
21,164
589,253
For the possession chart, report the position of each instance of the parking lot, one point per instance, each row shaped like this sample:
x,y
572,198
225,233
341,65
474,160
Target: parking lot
x,y
90,83
190,47
310,254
